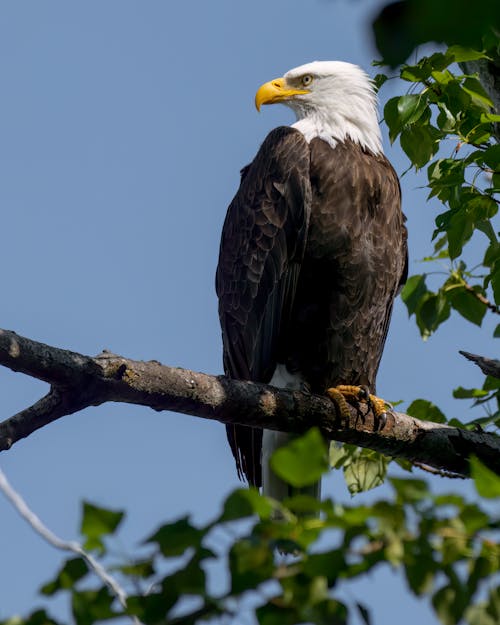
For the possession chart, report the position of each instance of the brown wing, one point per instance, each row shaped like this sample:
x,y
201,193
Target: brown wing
x,y
353,267
262,245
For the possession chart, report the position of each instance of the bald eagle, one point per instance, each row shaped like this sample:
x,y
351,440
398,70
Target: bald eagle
x,y
313,251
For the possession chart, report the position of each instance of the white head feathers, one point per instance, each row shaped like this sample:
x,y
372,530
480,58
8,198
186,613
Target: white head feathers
x,y
341,104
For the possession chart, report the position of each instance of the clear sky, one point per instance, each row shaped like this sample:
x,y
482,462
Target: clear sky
x,y
123,127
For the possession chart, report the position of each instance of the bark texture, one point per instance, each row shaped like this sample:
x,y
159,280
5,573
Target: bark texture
x,y
79,381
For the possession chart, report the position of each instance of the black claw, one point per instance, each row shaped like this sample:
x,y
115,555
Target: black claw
x,y
381,421
364,392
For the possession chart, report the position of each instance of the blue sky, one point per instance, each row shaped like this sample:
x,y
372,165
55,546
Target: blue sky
x,y
123,127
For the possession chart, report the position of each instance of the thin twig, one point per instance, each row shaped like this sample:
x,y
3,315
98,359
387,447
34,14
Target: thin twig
x,y
72,546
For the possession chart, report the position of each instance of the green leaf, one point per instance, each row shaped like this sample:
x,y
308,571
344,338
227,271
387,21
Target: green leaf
x,y
460,229
392,118
187,580
447,602
495,282
480,132
431,313
151,608
303,461
443,77
446,172
417,73
420,143
410,489
251,562
457,100
492,254
446,121
340,455
304,505
38,617
487,229
468,393
410,108
486,481
426,411
272,613
174,538
491,157
139,568
461,54
379,80
477,614
469,306
419,562
491,383
473,518
482,207
365,472
413,291
92,606
245,502
98,522
72,571
329,565
496,333
479,96
490,117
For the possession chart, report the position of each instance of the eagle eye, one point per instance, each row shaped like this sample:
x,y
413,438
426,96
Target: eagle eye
x,y
306,80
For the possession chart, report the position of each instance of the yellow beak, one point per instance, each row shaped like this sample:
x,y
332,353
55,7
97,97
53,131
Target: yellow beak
x,y
275,91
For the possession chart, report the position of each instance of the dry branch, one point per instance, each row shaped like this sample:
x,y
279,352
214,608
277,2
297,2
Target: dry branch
x,y
488,366
79,381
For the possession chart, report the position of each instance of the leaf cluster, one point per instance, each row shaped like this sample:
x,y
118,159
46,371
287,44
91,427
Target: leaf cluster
x,y
447,549
443,106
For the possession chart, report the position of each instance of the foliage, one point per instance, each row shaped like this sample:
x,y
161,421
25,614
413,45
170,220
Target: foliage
x,y
403,25
443,107
445,546
445,123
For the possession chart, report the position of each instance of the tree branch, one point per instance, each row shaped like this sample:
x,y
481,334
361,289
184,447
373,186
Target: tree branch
x,y
80,381
65,545
488,366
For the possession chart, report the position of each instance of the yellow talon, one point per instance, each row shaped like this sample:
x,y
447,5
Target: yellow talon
x,y
339,399
378,404
343,394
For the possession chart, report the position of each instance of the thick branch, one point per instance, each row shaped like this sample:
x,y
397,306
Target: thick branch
x,y
79,381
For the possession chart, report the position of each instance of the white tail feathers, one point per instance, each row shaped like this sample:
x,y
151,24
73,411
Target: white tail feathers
x,y
272,485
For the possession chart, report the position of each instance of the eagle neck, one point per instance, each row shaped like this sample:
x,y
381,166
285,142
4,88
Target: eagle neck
x,y
339,127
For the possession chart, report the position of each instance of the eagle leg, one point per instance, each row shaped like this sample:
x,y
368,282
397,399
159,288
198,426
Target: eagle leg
x,y
343,394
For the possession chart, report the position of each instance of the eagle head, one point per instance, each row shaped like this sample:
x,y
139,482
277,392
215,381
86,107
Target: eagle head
x,y
332,100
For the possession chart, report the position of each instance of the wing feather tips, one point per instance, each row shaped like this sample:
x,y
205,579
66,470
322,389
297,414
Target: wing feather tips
x,y
264,234
244,442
